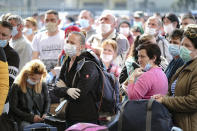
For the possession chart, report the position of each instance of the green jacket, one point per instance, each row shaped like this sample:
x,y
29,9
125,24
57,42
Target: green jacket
x,y
184,104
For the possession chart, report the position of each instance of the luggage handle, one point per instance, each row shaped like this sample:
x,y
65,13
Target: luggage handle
x,y
148,115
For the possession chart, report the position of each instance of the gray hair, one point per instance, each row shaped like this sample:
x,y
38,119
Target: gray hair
x,y
17,18
159,22
81,35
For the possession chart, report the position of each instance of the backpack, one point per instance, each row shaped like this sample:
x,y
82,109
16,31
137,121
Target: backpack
x,y
108,92
86,127
142,115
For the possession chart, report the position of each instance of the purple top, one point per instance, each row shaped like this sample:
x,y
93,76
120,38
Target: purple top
x,y
148,84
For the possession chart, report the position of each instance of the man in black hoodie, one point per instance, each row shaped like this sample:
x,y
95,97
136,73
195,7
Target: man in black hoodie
x,y
78,88
11,55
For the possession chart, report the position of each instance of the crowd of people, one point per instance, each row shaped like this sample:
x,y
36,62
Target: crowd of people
x,y
35,52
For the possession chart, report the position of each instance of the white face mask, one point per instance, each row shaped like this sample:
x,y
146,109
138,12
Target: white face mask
x,y
104,28
106,58
150,31
51,27
84,23
32,82
14,31
70,50
28,31
124,31
168,28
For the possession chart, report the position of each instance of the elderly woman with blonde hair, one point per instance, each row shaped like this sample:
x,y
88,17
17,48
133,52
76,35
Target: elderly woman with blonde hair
x,y
29,98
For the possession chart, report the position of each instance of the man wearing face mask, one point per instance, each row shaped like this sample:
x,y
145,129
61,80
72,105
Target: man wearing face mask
x,y
138,20
86,20
11,55
19,43
47,45
153,27
187,19
174,49
106,30
80,88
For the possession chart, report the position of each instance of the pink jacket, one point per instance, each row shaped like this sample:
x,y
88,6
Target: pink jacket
x,y
149,83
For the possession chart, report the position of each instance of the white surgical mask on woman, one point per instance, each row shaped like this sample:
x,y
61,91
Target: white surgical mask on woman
x,y
168,28
106,58
70,50
124,31
31,82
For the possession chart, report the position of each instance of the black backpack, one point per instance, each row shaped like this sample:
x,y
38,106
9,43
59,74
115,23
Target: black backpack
x,y
142,115
108,92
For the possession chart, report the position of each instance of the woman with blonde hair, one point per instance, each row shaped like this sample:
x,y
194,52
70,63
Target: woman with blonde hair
x,y
29,98
30,28
108,54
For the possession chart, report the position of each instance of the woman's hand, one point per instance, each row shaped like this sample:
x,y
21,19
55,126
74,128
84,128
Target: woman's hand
x,y
158,98
37,119
137,72
43,116
60,83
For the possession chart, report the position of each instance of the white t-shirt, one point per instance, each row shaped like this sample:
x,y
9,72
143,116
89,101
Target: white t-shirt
x,y
49,47
23,47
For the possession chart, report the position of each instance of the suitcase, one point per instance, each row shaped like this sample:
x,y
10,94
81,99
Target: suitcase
x,y
56,122
39,127
86,127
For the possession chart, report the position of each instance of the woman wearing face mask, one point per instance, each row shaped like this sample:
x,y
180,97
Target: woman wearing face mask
x,y
174,49
182,95
29,98
133,56
30,28
170,23
142,85
108,54
124,28
80,87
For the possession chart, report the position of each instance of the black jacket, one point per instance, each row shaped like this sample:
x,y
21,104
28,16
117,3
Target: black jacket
x,y
13,63
23,106
87,80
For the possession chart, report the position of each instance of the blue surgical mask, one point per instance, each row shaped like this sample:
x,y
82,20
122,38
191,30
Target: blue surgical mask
x,y
139,24
147,67
28,31
174,49
84,23
185,54
31,82
14,31
3,43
